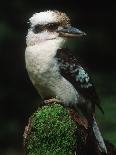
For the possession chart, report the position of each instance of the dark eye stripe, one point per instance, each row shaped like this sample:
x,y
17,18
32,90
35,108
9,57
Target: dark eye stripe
x,y
50,27
38,28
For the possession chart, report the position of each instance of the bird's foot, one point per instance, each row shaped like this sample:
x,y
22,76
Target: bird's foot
x,y
79,119
50,101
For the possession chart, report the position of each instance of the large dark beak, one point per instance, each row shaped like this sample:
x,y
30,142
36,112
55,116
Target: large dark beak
x,y
70,32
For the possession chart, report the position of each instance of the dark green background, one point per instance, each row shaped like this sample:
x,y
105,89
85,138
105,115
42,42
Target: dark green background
x,y
18,98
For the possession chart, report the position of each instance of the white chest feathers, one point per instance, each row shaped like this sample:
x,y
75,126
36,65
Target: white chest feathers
x,y
40,57
41,64
44,73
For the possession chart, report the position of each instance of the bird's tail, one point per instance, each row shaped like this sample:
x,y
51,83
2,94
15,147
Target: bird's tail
x,y
99,137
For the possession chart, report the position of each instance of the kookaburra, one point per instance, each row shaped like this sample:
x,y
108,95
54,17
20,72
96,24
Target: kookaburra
x,y
53,69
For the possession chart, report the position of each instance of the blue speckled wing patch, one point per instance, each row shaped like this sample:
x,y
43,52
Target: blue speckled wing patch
x,y
75,74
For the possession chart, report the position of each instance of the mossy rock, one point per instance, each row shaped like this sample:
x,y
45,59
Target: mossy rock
x,y
51,131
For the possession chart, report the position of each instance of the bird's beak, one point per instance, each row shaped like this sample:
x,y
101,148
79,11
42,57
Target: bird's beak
x,y
70,32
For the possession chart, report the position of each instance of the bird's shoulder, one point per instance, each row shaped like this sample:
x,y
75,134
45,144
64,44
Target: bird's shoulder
x,y
70,67
77,75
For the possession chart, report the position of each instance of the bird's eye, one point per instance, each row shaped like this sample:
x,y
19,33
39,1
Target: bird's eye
x,y
37,29
52,26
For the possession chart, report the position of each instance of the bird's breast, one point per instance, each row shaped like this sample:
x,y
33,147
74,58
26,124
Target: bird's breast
x,y
42,68
44,73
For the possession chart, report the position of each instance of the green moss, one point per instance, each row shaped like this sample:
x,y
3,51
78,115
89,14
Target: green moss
x,y
52,132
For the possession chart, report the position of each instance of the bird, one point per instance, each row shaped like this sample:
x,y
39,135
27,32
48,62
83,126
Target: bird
x,y
54,70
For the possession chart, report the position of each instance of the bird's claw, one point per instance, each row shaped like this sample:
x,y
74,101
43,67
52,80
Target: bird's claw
x,y
50,101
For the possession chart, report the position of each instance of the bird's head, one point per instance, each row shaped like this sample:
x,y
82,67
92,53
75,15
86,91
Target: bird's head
x,y
50,25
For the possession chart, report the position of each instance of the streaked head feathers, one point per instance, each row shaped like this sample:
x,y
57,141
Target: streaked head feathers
x,y
49,17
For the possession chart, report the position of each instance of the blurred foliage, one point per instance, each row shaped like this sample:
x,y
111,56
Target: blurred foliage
x,y
18,98
106,89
